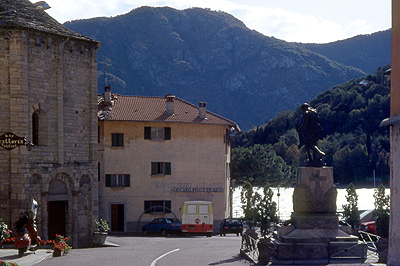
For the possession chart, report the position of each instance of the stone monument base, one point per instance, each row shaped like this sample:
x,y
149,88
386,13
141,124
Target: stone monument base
x,y
312,221
314,236
317,236
317,253
313,246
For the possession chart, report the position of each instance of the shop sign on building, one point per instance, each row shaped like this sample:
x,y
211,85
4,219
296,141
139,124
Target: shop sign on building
x,y
10,141
198,189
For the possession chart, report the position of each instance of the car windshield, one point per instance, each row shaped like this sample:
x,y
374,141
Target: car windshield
x,y
232,222
173,220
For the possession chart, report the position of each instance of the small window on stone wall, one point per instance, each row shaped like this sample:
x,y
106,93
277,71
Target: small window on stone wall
x,y
39,128
35,128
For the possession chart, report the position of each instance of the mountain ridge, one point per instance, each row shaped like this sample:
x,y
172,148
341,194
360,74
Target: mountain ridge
x,y
375,52
203,55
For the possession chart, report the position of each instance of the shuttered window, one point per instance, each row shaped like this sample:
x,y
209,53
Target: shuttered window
x,y
118,180
157,133
160,168
117,139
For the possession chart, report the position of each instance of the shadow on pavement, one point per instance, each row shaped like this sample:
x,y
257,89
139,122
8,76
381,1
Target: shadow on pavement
x,y
231,260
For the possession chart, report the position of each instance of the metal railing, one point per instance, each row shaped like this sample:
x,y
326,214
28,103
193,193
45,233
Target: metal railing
x,y
370,240
249,246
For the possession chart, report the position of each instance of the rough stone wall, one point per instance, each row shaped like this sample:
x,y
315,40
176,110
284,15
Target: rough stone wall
x,y
5,157
55,78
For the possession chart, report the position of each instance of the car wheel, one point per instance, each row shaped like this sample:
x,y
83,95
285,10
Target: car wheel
x,y
145,232
163,233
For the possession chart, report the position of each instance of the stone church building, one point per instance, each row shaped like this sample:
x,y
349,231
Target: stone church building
x,y
48,94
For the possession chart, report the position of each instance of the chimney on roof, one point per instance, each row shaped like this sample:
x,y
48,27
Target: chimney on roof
x,y
107,94
202,110
169,104
41,5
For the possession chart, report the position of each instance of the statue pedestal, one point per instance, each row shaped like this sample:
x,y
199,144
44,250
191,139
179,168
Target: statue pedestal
x,y
314,234
315,192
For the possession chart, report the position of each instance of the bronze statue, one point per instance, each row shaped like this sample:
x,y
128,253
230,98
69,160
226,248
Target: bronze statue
x,y
309,134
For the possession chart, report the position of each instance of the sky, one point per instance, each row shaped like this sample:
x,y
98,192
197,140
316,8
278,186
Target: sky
x,y
307,21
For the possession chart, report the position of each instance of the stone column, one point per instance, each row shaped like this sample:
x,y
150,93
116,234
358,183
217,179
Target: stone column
x,y
60,102
394,225
18,72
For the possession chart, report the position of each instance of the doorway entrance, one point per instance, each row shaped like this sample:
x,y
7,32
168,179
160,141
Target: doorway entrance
x,y
117,217
56,218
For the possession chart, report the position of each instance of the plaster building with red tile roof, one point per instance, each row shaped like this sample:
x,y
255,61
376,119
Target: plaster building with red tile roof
x,y
155,153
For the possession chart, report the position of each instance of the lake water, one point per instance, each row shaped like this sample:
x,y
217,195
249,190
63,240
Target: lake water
x,y
365,200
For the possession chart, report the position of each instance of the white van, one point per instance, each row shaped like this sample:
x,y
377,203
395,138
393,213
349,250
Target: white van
x,y
197,218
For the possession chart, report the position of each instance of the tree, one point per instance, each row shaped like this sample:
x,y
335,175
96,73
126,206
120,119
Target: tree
x,y
350,115
382,211
293,156
350,210
249,200
258,165
257,209
267,211
351,162
340,163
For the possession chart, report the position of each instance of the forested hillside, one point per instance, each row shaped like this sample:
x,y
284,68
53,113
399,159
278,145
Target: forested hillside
x,y
353,141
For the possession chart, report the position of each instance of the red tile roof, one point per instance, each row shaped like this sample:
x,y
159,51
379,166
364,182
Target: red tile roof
x,y
153,109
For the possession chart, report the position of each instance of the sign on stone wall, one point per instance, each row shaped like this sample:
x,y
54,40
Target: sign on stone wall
x,y
10,141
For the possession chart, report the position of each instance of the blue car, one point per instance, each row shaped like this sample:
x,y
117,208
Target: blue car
x,y
163,226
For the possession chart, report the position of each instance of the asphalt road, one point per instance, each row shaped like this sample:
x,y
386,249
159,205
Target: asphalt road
x,y
158,251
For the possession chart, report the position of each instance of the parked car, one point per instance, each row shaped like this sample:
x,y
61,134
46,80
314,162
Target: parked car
x,y
367,216
163,226
369,227
231,226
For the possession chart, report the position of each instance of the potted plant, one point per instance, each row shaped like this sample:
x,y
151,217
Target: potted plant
x,y
61,247
4,232
4,263
100,235
266,218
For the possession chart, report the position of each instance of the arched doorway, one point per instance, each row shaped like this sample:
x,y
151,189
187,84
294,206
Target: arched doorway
x,y
57,209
